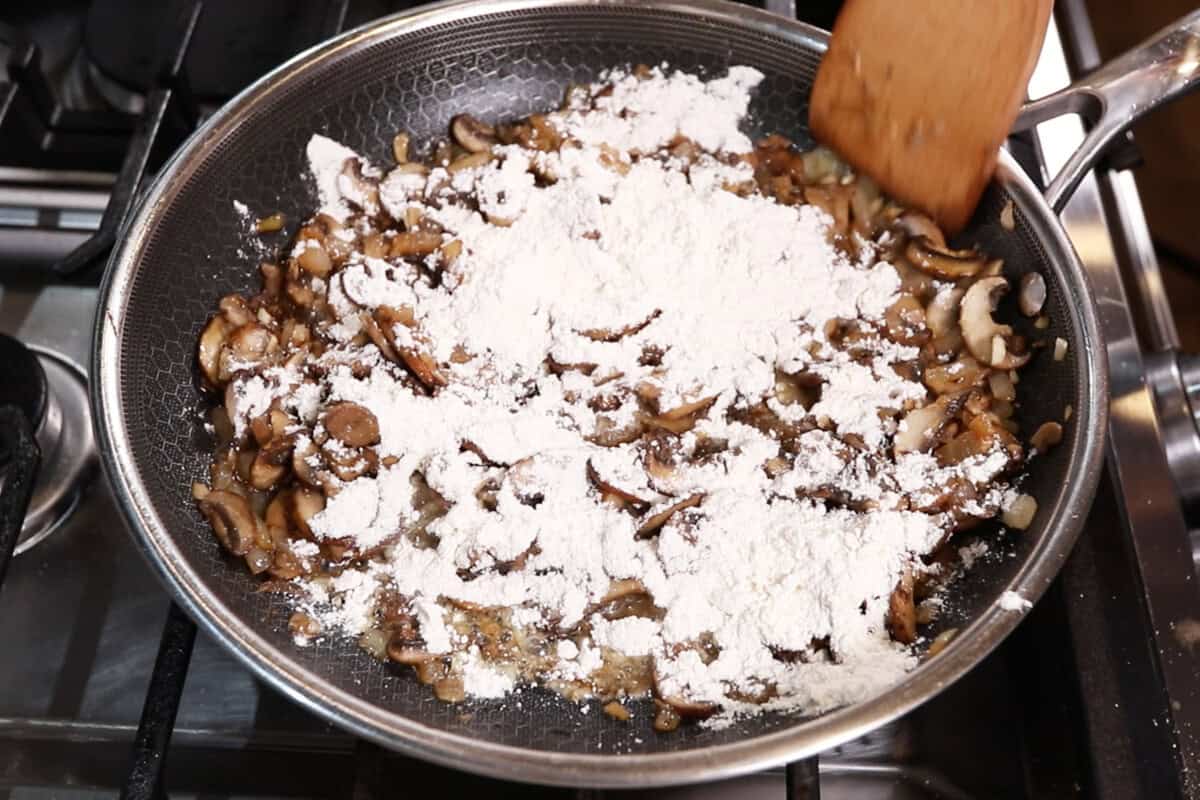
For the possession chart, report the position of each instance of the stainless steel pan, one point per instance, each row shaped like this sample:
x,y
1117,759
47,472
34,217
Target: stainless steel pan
x,y
502,58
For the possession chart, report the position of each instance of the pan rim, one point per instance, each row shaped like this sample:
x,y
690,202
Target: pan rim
x,y
277,669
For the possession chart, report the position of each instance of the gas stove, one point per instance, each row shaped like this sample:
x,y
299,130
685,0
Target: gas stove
x,y
110,690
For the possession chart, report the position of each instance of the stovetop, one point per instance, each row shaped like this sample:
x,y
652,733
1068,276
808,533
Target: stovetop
x,y
1093,696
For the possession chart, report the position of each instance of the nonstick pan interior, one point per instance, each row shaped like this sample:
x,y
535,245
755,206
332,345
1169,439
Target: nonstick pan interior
x,y
187,247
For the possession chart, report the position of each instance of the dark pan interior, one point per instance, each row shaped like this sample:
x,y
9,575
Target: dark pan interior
x,y
495,66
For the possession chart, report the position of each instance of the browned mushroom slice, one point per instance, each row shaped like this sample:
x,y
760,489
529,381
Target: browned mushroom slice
x,y
902,611
941,315
235,310
231,519
690,709
315,260
408,653
414,243
471,134
270,464
905,321
685,410
666,718
251,342
306,503
208,353
609,434
919,226
990,342
920,427
622,588
351,424
472,161
616,335
955,377
948,265
651,525
985,432
640,504
421,364
555,367
303,458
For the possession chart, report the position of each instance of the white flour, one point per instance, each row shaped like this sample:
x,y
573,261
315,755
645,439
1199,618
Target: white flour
x,y
724,289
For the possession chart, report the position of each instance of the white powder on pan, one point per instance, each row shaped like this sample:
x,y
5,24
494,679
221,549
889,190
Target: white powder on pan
x,y
611,261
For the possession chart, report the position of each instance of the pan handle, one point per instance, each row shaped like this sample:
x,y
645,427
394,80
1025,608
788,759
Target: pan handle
x,y
1118,94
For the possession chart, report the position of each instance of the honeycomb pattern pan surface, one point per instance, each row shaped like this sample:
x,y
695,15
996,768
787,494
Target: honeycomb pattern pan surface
x,y
185,247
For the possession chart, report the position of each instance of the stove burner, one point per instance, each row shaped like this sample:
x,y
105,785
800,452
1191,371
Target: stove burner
x,y
53,394
25,381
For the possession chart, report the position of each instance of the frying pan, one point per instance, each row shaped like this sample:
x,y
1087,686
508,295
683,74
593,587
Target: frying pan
x,y
185,247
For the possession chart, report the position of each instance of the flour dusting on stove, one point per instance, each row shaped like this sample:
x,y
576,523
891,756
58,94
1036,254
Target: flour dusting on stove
x,y
590,283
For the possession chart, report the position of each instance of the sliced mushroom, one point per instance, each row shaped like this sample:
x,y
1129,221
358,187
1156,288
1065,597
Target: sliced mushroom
x,y
608,433
640,504
617,334
400,144
231,520
212,340
250,343
685,410
471,161
408,653
905,321
919,226
902,611
955,377
651,525
315,260
622,588
351,424
234,308
690,709
421,364
270,464
921,426
306,503
302,458
987,340
471,134
941,315
983,434
949,265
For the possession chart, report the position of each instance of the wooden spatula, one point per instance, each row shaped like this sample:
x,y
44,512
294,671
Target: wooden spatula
x,y
920,94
